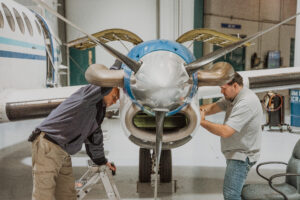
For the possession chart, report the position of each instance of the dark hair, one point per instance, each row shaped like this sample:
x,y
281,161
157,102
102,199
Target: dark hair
x,y
236,79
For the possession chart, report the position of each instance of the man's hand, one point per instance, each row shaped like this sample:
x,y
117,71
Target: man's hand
x,y
112,167
202,113
210,109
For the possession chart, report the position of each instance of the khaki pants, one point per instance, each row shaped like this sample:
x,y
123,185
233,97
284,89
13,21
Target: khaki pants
x,y
52,171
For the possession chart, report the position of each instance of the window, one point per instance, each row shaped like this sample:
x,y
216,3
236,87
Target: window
x,y
19,21
28,24
9,17
1,20
38,27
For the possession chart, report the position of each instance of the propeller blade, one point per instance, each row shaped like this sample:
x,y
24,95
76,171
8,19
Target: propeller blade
x,y
132,64
198,64
100,75
159,117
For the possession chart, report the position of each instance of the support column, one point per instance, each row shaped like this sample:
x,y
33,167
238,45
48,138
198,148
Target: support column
x,y
199,23
297,39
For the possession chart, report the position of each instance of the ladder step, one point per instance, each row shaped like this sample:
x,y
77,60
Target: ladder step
x,y
93,175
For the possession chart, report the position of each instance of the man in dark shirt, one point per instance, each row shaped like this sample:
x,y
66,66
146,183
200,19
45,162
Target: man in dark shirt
x,y
75,121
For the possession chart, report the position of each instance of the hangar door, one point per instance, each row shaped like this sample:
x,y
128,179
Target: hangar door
x,y
79,62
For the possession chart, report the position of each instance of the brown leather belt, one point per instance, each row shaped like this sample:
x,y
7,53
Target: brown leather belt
x,y
50,139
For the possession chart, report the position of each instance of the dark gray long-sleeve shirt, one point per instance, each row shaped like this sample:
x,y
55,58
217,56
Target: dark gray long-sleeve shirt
x,y
74,122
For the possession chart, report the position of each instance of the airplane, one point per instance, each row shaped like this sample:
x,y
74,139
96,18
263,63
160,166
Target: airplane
x,y
160,79
159,107
28,38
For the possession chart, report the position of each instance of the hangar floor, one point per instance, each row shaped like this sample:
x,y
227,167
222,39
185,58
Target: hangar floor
x,y
198,167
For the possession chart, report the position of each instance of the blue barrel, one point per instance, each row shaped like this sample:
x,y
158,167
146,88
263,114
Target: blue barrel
x,y
295,108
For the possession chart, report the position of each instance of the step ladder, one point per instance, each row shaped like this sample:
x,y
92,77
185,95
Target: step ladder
x,y
94,174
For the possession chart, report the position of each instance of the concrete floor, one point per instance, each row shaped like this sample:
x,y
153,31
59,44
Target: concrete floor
x,y
198,167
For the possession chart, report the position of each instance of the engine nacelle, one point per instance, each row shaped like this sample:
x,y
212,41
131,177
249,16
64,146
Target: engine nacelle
x,y
140,127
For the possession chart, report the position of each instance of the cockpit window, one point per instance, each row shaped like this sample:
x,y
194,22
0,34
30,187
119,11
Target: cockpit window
x,y
19,20
9,17
38,27
1,20
28,24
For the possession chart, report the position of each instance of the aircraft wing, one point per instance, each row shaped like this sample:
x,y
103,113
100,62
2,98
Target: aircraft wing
x,y
31,103
260,81
23,104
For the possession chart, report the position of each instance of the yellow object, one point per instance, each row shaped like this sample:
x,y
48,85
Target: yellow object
x,y
105,36
210,36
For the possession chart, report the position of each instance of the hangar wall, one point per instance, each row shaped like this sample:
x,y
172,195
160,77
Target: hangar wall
x,y
138,16
176,17
254,16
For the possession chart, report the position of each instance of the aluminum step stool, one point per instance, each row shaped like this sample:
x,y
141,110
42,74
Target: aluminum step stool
x,y
92,177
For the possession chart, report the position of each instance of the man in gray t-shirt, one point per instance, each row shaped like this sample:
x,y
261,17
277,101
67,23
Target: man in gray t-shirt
x,y
240,133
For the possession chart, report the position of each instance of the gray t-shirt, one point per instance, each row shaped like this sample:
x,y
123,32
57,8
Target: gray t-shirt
x,y
244,114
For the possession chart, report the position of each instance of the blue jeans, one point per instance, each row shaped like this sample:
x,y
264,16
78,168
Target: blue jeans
x,y
235,176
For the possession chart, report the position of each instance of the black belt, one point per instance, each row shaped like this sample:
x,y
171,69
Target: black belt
x,y
50,139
